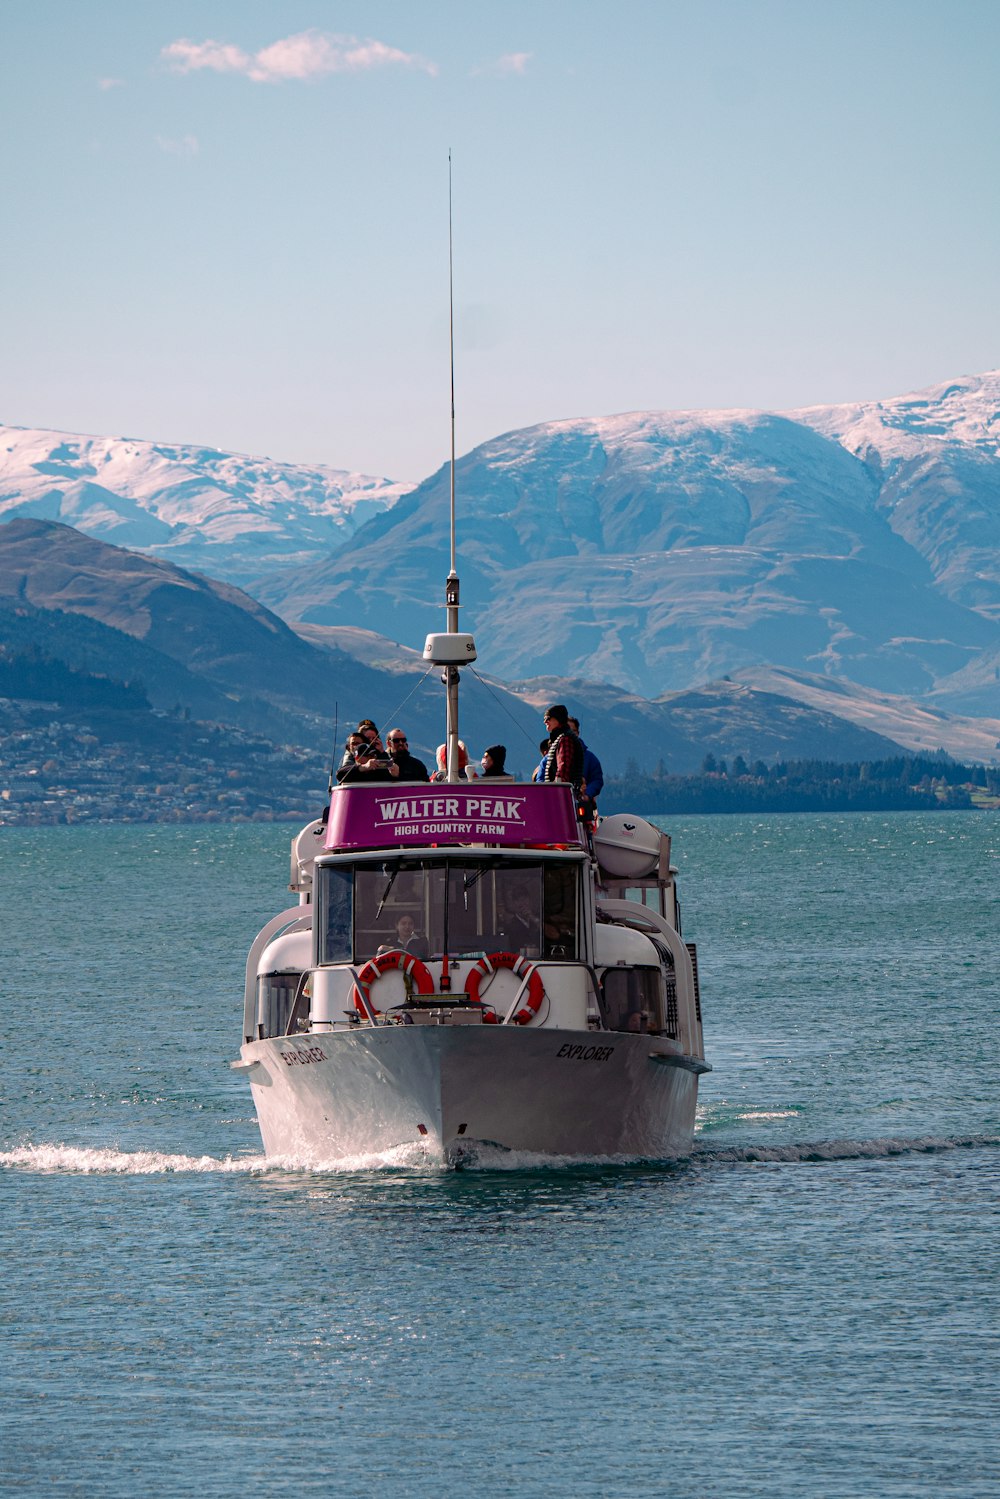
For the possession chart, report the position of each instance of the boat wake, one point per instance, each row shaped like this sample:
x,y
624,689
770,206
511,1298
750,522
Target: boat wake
x,y
839,1150
72,1159
83,1161
93,1161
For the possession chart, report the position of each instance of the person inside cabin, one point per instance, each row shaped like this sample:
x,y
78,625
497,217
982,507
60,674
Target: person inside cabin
x,y
402,765
521,926
464,768
564,755
494,763
408,939
636,1020
593,775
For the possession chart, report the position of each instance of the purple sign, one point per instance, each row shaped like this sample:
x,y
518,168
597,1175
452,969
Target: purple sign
x,y
418,813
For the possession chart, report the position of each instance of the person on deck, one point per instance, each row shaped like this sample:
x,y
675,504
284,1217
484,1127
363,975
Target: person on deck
x,y
464,768
402,765
371,761
538,774
564,756
349,769
494,763
593,775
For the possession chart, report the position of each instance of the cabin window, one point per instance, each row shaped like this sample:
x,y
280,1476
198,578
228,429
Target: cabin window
x,y
334,914
633,1000
464,906
275,996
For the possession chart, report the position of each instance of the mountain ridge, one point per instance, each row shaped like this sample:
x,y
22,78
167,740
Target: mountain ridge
x,y
670,548
231,514
650,550
195,645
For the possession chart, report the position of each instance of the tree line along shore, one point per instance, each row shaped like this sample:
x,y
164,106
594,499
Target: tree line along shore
x,y
902,784
59,765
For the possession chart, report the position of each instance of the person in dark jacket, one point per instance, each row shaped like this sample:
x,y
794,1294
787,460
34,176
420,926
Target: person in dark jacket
x,y
408,939
494,763
370,762
402,765
349,770
593,775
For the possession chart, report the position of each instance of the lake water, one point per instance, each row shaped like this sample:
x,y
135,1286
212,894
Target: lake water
x,y
807,1307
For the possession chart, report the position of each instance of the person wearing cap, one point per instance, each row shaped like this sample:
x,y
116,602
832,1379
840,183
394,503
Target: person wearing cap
x,y
564,755
494,763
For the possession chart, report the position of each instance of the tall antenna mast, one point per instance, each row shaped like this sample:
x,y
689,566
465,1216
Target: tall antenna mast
x,y
452,623
451,648
451,586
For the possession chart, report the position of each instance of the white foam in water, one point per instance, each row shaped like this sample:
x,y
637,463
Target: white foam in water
x,y
496,1158
840,1150
70,1159
769,1114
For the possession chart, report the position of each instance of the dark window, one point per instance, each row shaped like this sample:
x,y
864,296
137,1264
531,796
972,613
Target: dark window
x,y
276,995
334,908
464,906
633,1000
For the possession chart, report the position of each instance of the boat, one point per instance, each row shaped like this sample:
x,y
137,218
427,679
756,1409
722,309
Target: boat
x,y
473,967
545,1003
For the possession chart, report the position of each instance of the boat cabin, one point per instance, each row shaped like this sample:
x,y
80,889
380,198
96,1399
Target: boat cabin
x,y
458,904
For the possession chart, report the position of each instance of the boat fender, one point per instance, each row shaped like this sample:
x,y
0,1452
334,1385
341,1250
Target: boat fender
x,y
413,969
522,967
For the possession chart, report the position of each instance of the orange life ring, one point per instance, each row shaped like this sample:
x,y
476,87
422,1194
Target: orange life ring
x,y
522,967
412,968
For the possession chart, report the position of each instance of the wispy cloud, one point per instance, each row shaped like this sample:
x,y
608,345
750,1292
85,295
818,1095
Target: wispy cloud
x,y
308,54
108,83
187,145
509,65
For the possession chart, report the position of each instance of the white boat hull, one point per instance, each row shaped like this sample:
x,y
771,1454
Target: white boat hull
x,y
453,1088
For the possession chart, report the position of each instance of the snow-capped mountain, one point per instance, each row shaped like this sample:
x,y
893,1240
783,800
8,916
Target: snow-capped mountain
x,y
936,458
659,549
226,514
654,550
965,411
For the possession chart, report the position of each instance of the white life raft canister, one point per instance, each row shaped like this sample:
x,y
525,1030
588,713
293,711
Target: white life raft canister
x,y
627,847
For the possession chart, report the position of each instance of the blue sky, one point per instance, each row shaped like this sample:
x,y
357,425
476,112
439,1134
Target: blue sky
x,y
766,203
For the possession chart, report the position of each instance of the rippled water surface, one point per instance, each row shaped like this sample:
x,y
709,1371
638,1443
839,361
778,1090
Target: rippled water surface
x,y
807,1307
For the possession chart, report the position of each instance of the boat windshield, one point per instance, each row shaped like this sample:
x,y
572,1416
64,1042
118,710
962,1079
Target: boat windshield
x,y
460,905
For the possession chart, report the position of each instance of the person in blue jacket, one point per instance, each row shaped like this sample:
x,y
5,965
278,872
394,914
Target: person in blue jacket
x,y
593,775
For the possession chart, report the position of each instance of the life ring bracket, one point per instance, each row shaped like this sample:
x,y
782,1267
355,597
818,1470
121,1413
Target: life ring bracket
x,y
522,968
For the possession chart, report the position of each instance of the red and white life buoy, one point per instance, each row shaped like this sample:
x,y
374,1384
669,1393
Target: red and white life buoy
x,y
412,968
522,967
